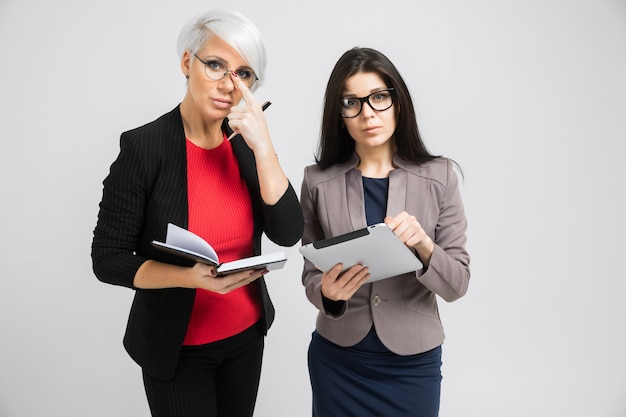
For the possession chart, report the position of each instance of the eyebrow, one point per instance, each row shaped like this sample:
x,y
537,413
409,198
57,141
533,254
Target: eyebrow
x,y
218,58
372,91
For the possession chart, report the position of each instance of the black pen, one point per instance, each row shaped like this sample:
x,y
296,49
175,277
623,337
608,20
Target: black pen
x,y
263,107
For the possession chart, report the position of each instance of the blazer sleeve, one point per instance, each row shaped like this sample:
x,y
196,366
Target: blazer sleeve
x,y
120,219
283,220
311,276
448,273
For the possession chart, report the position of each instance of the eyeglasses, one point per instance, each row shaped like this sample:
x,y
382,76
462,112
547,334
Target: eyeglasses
x,y
379,101
216,70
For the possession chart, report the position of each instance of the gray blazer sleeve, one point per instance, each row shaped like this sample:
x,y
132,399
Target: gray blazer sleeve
x,y
448,273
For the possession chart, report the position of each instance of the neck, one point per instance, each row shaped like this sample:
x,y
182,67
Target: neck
x,y
201,132
375,163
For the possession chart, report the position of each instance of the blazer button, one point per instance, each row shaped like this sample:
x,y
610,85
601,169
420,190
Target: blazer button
x,y
377,300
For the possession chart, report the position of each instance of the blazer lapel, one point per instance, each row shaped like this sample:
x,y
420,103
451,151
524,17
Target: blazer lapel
x,y
396,202
356,202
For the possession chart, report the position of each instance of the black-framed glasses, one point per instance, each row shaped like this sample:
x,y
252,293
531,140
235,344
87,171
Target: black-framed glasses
x,y
216,70
379,101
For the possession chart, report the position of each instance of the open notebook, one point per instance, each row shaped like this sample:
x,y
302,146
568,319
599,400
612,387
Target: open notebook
x,y
183,243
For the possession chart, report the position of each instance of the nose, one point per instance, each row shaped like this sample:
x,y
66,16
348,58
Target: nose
x,y
367,110
226,83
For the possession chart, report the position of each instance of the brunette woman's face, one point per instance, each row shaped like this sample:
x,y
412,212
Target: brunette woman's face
x,y
370,128
213,99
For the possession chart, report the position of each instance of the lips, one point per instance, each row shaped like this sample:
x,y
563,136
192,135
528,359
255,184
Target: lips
x,y
222,103
371,129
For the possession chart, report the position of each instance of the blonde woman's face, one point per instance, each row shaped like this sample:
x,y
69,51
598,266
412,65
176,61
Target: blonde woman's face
x,y
213,98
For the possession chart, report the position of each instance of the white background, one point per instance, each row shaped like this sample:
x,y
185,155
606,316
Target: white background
x,y
529,96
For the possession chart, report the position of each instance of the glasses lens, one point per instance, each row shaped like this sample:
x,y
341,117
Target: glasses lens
x,y
215,70
247,76
380,100
350,107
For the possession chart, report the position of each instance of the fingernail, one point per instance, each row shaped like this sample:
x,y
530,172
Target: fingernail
x,y
234,73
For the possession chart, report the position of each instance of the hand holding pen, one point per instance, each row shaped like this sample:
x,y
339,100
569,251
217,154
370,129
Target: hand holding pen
x,y
248,120
263,107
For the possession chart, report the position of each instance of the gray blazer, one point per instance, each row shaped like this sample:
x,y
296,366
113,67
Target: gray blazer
x,y
403,309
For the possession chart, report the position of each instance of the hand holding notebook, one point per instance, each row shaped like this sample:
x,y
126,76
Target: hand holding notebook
x,y
183,243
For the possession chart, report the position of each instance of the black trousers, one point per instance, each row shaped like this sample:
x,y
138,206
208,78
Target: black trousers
x,y
219,379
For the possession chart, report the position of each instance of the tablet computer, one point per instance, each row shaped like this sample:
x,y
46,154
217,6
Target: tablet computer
x,y
375,246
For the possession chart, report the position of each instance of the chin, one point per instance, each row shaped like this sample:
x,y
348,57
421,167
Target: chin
x,y
216,114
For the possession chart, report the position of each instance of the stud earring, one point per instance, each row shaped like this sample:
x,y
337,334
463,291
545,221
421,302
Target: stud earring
x,y
187,76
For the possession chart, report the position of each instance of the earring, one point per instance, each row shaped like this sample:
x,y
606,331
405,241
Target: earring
x,y
187,76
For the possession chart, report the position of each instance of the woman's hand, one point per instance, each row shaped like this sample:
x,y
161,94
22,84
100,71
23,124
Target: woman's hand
x,y
248,121
410,231
154,275
205,277
338,284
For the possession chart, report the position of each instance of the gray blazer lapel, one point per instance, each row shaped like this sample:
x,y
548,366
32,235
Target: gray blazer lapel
x,y
356,202
396,202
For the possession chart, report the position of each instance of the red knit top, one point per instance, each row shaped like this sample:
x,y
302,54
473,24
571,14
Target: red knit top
x,y
220,211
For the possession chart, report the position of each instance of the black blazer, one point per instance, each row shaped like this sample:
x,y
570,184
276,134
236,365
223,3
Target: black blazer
x,y
147,188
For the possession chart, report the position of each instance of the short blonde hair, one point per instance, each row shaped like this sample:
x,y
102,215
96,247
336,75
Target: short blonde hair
x,y
235,29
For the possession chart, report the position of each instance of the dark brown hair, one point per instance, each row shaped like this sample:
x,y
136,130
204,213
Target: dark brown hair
x,y
336,145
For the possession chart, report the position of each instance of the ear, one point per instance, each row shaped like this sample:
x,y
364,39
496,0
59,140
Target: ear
x,y
185,63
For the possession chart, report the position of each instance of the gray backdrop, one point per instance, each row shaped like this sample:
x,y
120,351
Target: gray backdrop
x,y
529,96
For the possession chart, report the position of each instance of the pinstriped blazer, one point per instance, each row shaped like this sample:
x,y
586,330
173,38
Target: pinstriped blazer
x,y
404,308
145,189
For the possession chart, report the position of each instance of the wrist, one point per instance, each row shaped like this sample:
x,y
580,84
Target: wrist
x,y
425,250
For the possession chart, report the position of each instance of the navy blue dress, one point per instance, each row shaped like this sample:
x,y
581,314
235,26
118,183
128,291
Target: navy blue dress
x,y
367,379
